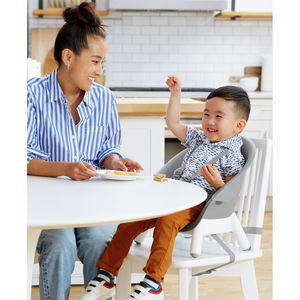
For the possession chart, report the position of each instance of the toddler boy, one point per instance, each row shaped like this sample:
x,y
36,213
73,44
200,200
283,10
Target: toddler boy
x,y
225,116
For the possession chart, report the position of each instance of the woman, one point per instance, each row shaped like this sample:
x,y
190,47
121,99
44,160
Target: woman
x,y
73,130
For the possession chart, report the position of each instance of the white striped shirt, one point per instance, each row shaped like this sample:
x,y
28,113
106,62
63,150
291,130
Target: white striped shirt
x,y
51,131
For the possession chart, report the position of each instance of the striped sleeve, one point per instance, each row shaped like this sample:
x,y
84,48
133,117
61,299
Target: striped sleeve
x,y
112,143
33,148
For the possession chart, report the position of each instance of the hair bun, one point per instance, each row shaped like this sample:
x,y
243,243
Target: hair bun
x,y
82,14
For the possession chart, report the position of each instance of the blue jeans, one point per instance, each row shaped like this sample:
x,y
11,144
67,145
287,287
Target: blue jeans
x,y
58,250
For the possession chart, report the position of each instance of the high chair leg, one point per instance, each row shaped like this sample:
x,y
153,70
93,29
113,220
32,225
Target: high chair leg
x,y
239,232
188,285
197,239
248,280
123,286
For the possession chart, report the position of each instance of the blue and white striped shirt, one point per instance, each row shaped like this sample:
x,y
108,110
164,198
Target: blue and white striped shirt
x,y
51,131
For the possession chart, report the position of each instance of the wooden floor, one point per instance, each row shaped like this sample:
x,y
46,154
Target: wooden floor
x,y
217,288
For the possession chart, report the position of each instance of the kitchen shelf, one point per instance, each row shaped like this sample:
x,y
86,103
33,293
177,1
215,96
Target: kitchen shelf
x,y
244,14
58,12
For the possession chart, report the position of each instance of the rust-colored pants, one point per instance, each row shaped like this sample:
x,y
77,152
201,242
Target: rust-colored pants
x,y
165,232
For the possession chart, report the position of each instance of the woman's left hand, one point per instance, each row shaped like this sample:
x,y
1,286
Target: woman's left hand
x,y
126,165
212,176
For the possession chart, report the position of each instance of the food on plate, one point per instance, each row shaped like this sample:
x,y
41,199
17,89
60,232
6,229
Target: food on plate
x,y
121,173
131,174
160,177
110,172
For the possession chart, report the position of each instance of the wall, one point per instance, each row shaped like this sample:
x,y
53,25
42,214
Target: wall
x,y
144,47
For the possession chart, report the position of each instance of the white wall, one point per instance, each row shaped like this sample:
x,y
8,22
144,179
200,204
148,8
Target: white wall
x,y
144,47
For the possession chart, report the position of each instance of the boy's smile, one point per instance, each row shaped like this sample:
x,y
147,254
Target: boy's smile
x,y
220,121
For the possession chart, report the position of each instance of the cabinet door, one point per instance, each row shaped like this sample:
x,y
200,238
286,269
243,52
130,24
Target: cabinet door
x,y
143,141
260,130
257,129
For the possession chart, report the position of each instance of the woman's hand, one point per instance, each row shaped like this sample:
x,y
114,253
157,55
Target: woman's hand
x,y
126,165
80,171
212,176
74,170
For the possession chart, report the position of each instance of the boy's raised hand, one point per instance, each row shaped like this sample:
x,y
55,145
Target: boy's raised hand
x,y
174,83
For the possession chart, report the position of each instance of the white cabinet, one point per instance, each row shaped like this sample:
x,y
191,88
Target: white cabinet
x,y
143,141
258,129
260,125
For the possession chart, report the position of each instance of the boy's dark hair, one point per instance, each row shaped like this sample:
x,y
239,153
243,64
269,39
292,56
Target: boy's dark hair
x,y
81,21
237,95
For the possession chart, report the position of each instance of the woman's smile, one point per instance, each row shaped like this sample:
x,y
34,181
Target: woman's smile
x,y
91,79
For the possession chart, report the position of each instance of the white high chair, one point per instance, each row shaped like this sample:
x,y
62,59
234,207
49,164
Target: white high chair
x,y
234,256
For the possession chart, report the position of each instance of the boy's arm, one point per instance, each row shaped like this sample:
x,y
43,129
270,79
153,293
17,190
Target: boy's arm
x,y
173,110
213,176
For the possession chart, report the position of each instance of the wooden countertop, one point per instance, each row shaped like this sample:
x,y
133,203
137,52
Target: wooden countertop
x,y
157,106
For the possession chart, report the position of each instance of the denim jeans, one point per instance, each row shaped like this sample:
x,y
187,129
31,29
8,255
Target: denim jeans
x,y
58,250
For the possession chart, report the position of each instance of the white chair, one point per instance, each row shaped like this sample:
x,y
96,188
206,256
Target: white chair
x,y
226,258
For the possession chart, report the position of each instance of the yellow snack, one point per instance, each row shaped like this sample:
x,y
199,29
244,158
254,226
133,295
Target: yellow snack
x,y
121,173
131,173
159,175
160,179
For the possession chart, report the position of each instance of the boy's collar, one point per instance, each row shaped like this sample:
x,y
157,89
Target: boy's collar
x,y
233,143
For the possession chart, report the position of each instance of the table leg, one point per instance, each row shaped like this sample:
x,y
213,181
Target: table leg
x,y
32,238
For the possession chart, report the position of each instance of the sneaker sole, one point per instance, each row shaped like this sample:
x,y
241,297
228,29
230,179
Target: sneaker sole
x,y
110,294
106,296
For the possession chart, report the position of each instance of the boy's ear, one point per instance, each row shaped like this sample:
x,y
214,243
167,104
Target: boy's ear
x,y
240,125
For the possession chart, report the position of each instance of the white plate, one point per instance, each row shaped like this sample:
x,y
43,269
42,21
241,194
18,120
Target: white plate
x,y
116,177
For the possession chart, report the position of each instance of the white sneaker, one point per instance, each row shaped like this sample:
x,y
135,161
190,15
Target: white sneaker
x,y
143,292
99,289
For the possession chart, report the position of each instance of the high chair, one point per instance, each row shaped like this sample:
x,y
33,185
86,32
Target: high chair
x,y
225,254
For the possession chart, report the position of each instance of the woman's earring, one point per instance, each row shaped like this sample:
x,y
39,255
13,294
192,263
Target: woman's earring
x,y
68,66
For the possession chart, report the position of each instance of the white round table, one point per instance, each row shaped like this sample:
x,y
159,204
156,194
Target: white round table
x,y
62,202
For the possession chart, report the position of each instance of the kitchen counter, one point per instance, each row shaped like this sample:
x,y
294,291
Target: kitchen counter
x,y
260,95
157,106
156,103
190,95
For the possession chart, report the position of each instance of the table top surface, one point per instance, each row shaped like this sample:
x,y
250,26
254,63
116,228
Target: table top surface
x,y
62,202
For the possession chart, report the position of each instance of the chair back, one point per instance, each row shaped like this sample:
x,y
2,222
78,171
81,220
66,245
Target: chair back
x,y
222,203
250,206
173,164
252,200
